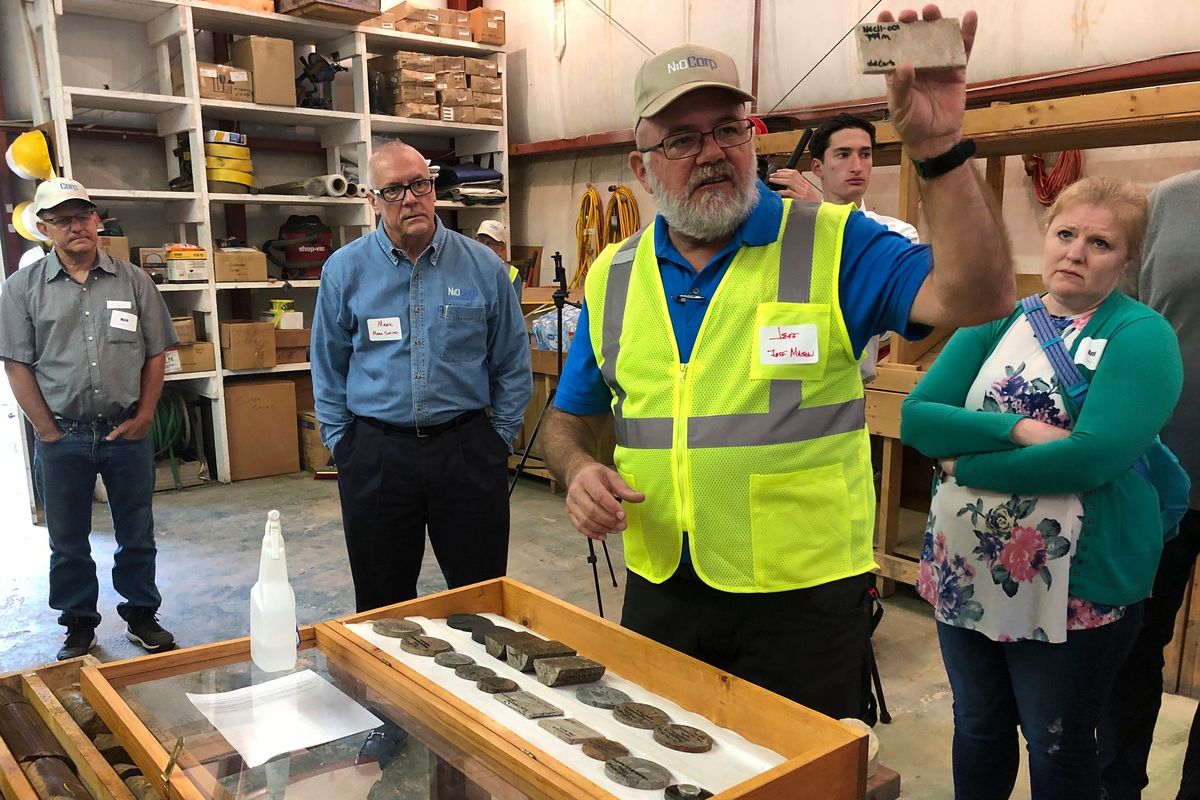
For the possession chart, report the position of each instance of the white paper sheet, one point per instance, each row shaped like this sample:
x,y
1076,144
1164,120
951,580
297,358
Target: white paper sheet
x,y
732,760
285,714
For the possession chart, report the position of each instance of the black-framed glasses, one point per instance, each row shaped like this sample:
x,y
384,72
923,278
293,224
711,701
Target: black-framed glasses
x,y
65,223
395,193
690,143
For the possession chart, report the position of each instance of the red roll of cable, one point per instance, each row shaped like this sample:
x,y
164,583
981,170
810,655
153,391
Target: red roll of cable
x,y
1046,187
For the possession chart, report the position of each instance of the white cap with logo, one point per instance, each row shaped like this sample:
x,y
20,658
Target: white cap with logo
x,y
493,228
57,191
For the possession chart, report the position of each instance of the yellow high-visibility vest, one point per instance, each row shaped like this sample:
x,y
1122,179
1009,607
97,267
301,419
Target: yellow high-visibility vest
x,y
513,274
757,448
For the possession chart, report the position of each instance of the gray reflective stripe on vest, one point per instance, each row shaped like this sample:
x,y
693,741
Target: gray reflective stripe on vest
x,y
785,421
616,294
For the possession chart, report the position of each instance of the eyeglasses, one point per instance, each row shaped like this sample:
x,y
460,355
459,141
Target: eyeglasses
x,y
690,143
396,192
64,223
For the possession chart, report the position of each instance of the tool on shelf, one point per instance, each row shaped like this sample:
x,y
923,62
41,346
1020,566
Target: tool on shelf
x,y
303,246
318,74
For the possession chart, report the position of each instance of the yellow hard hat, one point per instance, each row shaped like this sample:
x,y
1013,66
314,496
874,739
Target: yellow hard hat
x,y
24,221
29,156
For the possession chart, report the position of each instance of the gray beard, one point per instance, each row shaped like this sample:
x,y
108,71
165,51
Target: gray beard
x,y
709,218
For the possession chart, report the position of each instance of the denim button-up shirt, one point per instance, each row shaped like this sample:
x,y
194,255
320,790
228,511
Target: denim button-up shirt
x,y
417,344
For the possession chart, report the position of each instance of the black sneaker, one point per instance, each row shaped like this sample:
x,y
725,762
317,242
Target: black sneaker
x,y
79,641
145,631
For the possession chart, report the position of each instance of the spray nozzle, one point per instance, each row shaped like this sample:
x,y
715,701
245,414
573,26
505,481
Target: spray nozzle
x,y
273,536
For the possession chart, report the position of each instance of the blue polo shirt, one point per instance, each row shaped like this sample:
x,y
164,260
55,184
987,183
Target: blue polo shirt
x,y
881,273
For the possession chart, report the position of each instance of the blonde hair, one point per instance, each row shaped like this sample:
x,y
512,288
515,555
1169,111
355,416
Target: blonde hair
x,y
1125,199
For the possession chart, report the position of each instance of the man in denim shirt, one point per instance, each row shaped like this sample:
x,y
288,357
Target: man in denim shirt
x,y
417,335
82,337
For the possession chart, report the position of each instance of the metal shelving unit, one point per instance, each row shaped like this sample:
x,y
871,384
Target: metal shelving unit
x,y
170,29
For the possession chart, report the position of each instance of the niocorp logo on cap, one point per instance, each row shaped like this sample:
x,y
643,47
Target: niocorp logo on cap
x,y
691,62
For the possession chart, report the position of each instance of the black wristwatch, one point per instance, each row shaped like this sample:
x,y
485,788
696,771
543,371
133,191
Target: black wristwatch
x,y
931,168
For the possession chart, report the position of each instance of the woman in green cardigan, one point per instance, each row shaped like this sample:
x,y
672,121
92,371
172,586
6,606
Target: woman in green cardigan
x,y
1041,541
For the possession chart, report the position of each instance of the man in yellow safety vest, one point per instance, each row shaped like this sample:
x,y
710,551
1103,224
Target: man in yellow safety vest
x,y
724,340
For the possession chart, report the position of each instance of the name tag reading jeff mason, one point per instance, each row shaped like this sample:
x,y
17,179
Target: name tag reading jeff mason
x,y
787,344
384,329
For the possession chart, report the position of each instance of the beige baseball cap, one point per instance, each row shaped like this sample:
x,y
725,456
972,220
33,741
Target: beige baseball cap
x,y
666,77
493,228
57,191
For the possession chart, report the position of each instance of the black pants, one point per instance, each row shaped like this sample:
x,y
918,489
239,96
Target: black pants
x,y
1125,734
808,645
394,485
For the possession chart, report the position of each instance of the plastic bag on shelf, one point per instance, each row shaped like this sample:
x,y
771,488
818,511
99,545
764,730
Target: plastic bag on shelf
x,y
545,329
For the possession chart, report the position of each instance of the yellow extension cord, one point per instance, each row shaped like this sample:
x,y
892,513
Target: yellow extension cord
x,y
596,226
589,234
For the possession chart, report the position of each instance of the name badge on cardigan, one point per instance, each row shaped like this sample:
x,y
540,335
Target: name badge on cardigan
x,y
384,329
788,344
1089,351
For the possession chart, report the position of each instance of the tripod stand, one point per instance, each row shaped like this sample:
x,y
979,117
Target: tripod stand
x,y
560,302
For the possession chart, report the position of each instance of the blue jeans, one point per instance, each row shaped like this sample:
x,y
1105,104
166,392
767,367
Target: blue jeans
x,y
65,474
1055,692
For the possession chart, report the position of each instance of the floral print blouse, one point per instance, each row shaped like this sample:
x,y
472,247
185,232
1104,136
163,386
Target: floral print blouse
x,y
999,563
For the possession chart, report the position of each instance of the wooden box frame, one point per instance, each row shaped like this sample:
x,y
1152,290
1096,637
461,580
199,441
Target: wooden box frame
x,y
824,758
40,686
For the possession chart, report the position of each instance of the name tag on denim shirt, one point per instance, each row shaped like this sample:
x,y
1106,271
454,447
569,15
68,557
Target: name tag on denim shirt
x,y
123,320
384,329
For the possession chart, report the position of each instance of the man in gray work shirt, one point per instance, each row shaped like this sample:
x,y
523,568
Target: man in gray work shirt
x,y
82,337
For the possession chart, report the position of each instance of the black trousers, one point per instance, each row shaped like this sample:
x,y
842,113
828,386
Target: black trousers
x,y
808,645
1127,730
394,486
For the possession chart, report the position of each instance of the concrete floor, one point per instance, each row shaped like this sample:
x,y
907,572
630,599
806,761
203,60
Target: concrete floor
x,y
209,541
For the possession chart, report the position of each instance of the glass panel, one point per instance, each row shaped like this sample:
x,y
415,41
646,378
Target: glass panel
x,y
423,765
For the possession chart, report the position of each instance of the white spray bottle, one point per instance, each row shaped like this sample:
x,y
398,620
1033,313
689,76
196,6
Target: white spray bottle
x,y
273,605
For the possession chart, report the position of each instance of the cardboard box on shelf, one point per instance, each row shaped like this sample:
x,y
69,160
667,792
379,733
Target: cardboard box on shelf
x,y
481,66
451,80
246,344
185,329
487,25
411,77
489,116
407,93
304,391
149,256
451,64
263,6
404,59
451,16
458,113
211,86
417,110
260,418
205,357
456,97
350,12
237,264
172,361
272,63
313,453
460,33
238,83
286,338
414,11
483,100
187,270
484,83
115,246
291,355
405,26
